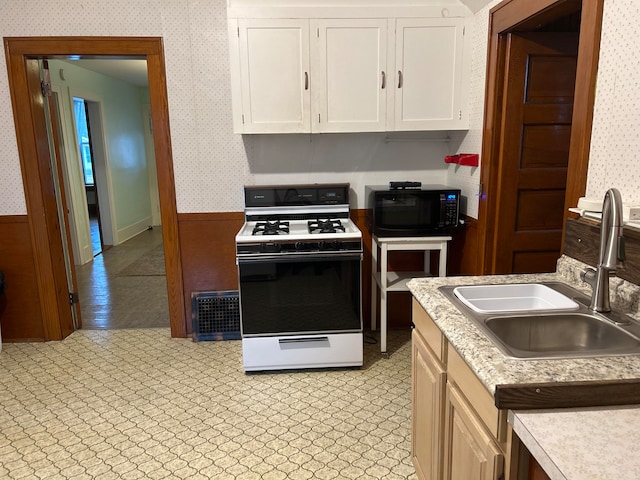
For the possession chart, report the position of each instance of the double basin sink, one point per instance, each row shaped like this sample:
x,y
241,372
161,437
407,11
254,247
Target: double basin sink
x,y
545,320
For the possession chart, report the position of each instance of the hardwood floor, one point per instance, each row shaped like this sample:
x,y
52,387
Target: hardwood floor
x,y
96,243
112,298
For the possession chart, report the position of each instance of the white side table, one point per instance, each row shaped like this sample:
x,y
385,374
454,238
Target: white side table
x,y
397,281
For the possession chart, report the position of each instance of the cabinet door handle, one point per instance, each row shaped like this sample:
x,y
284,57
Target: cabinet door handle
x,y
306,80
399,78
384,80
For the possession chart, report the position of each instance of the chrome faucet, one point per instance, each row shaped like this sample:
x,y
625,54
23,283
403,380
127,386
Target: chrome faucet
x,y
612,254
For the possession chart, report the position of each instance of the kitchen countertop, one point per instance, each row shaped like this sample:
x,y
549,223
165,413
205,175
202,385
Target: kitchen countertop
x,y
598,443
491,366
594,443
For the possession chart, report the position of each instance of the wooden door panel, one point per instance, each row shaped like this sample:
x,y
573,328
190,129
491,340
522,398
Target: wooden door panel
x,y
545,146
550,79
536,130
533,262
552,179
540,209
537,240
535,113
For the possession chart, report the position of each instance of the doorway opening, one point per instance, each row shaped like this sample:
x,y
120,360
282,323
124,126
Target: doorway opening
x,y
85,147
23,54
514,219
119,251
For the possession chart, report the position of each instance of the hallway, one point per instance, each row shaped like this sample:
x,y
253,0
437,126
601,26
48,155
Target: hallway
x,y
125,286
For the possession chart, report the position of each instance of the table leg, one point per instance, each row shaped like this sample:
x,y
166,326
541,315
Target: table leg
x,y
374,283
383,298
442,269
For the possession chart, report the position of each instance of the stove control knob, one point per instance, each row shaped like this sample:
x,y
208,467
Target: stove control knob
x,y
299,246
331,245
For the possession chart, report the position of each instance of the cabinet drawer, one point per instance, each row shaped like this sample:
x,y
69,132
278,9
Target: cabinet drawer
x,y
459,373
429,332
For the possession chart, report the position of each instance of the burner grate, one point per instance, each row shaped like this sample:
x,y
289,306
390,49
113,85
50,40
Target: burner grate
x,y
328,225
271,227
215,315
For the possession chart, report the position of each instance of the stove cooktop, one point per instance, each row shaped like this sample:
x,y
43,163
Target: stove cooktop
x,y
297,230
297,219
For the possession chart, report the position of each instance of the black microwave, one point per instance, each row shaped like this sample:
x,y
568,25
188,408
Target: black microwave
x,y
413,212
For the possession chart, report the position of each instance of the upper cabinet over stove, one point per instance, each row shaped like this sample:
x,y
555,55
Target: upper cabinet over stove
x,y
331,73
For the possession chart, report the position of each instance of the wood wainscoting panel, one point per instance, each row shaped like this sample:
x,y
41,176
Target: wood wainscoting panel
x,y
582,242
208,253
21,317
463,257
362,218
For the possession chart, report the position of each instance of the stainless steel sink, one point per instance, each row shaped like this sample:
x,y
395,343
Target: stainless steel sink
x,y
575,333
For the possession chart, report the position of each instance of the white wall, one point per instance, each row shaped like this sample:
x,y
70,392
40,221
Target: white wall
x,y
211,164
121,108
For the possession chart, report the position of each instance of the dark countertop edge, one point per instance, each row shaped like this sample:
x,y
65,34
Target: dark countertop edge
x,y
596,393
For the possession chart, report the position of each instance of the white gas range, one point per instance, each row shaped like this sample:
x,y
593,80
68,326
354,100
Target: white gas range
x,y
299,261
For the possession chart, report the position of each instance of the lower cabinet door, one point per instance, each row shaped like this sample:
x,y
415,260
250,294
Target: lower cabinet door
x,y
428,382
470,452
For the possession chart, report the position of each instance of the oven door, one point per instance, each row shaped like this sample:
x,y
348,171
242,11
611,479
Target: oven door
x,y
300,294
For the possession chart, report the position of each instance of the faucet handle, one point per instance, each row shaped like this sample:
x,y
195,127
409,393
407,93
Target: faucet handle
x,y
588,275
622,254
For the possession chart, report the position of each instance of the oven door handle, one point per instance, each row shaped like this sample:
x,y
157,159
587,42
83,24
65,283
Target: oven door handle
x,y
293,257
283,341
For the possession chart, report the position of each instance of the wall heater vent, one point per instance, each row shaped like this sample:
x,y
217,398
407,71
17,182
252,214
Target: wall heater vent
x,y
215,315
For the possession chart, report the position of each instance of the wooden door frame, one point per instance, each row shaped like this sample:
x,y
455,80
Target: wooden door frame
x,y
526,15
33,150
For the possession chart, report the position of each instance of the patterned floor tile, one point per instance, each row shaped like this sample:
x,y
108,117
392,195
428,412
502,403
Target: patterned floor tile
x,y
135,403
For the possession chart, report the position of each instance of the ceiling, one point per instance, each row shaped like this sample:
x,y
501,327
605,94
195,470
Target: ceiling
x,y
133,71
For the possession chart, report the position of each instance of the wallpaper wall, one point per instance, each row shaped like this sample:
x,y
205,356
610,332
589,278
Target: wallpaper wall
x,y
211,164
615,142
467,179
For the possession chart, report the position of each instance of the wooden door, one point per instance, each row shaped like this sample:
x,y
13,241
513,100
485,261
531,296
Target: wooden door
x,y
351,86
275,75
540,74
63,213
428,74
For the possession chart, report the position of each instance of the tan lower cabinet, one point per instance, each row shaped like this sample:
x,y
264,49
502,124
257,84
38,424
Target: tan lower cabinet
x,y
470,452
457,432
428,379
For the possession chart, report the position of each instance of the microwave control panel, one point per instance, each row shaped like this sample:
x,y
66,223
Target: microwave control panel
x,y
450,210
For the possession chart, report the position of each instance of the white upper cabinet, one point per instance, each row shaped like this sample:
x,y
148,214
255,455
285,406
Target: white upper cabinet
x,y
321,75
274,75
350,84
429,74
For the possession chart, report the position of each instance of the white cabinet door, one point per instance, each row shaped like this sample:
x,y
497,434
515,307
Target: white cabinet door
x,y
274,73
350,85
428,74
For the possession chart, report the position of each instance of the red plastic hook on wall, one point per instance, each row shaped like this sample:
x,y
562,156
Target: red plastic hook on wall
x,y
469,159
